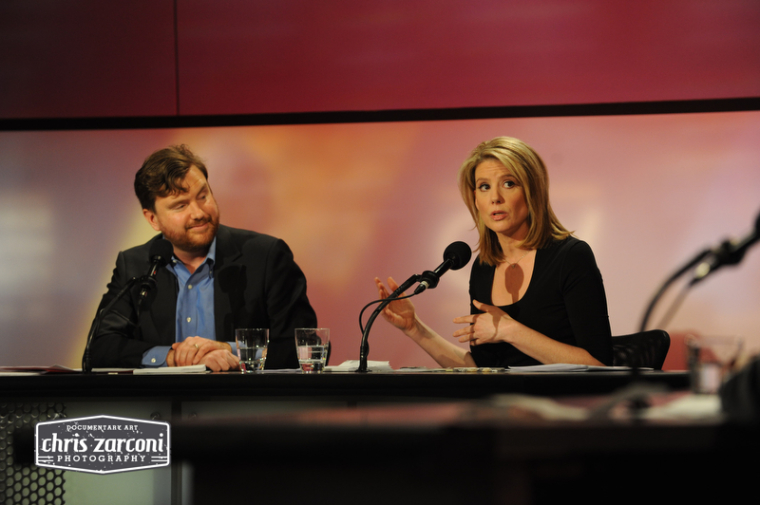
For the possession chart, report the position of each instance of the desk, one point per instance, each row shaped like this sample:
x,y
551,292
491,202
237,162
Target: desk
x,y
210,397
349,387
466,452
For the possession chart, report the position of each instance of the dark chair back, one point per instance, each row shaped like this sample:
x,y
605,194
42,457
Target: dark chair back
x,y
646,349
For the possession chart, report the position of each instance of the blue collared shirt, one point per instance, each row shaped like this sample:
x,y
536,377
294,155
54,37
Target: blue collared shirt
x,y
195,306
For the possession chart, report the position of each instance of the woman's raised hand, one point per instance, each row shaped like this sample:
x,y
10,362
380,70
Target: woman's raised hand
x,y
399,313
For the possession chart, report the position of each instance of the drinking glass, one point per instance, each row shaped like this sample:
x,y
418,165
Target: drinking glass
x,y
312,345
252,348
710,360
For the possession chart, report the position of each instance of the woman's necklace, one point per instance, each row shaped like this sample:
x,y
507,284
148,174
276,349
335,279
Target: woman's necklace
x,y
513,265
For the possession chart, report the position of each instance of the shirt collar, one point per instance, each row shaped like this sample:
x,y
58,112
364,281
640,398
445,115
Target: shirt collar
x,y
210,257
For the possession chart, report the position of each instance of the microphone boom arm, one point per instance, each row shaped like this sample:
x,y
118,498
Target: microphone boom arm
x,y
670,280
364,348
86,359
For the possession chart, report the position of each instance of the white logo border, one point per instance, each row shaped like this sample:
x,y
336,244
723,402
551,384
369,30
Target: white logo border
x,y
101,472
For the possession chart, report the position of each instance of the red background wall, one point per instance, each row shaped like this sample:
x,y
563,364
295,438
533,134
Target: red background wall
x,y
88,58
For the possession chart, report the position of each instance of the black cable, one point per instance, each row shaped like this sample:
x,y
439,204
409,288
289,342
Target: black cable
x,y
361,314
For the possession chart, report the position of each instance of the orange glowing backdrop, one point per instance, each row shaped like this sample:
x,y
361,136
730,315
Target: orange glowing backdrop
x,y
355,201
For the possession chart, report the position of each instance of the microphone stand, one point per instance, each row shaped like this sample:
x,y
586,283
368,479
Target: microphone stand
x,y
665,285
364,348
86,359
728,253
636,391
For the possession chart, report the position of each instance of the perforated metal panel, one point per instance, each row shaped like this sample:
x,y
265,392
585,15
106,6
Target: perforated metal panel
x,y
27,484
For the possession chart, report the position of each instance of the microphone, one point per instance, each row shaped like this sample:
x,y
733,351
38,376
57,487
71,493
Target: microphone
x,y
455,257
730,252
160,254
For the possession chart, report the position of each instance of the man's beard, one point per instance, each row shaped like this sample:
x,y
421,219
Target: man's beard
x,y
194,243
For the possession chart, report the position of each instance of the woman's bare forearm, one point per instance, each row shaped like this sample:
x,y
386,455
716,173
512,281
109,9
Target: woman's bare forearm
x,y
547,350
444,352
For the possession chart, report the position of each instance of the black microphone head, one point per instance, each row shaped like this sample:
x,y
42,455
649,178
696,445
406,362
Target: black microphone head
x,y
459,254
161,251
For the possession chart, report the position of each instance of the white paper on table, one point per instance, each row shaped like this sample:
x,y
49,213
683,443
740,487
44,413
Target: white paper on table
x,y
352,364
170,370
554,367
691,406
569,367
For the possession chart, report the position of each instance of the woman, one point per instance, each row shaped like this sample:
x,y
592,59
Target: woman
x,y
536,292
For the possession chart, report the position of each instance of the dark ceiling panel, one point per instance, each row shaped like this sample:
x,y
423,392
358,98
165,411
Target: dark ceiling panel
x,y
80,58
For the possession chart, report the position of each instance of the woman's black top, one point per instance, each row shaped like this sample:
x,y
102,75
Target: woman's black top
x,y
565,301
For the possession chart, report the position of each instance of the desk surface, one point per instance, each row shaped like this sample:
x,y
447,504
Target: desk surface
x,y
467,452
344,385
503,429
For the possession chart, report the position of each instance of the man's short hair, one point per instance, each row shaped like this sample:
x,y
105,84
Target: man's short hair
x,y
162,172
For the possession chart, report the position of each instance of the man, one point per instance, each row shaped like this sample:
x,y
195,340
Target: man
x,y
219,279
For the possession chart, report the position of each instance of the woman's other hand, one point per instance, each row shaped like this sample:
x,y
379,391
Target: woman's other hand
x,y
487,328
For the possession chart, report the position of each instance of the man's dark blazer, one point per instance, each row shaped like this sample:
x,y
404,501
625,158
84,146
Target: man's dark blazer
x,y
257,284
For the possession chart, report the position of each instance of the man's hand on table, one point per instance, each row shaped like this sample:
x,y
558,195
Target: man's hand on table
x,y
197,350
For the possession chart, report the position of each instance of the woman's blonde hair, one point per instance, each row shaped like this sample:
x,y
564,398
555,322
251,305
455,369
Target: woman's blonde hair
x,y
529,170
